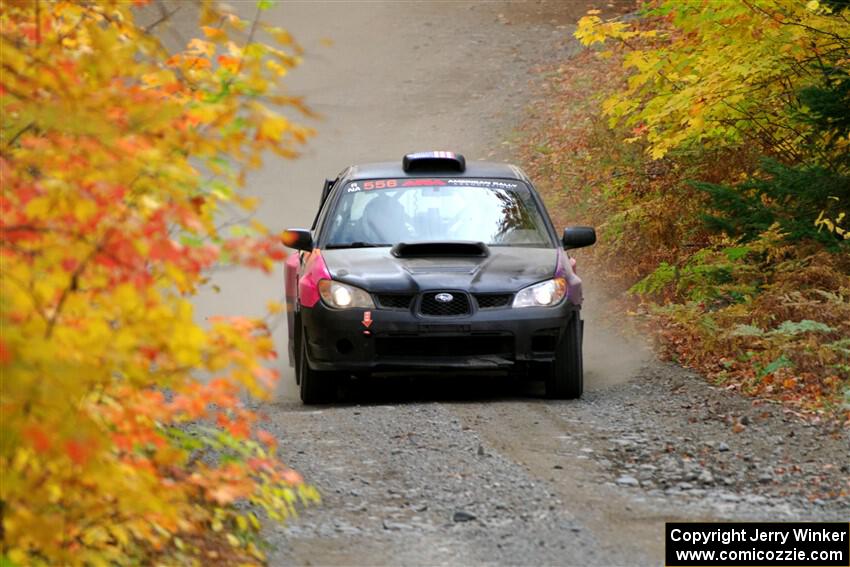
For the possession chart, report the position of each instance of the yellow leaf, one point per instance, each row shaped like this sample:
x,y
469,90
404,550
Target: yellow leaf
x,y
39,207
18,556
273,127
274,307
281,36
254,521
201,47
242,523
120,534
84,209
95,535
54,492
276,68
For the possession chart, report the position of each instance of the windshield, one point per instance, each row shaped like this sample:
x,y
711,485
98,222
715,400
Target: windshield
x,y
385,212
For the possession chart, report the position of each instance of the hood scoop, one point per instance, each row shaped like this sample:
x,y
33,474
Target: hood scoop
x,y
441,269
450,249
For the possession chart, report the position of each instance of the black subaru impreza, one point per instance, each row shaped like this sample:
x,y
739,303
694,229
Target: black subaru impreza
x,y
433,263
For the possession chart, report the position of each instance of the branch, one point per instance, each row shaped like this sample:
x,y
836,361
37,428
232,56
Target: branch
x,y
790,23
38,22
247,43
165,15
26,289
19,134
72,286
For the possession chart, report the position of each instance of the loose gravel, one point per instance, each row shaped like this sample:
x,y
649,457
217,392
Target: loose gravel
x,y
450,470
416,480
693,444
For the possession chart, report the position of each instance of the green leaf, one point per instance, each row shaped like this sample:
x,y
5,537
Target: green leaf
x,y
736,253
780,362
842,346
791,328
191,240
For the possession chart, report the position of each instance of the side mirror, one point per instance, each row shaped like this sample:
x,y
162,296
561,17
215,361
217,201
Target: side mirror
x,y
298,238
578,237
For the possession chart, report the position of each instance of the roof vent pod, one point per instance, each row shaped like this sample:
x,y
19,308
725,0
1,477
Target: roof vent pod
x,y
450,249
434,162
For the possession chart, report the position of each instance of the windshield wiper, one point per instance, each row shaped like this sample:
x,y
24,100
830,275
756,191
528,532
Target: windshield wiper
x,y
357,244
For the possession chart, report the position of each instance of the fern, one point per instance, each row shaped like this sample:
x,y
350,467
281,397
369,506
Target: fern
x,y
791,328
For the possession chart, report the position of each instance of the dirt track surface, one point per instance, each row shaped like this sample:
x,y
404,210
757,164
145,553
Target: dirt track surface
x,y
459,470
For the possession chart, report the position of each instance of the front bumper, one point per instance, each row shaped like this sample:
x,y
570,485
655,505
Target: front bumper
x,y
490,339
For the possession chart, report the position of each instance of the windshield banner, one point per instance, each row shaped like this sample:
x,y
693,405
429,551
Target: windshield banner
x,y
373,184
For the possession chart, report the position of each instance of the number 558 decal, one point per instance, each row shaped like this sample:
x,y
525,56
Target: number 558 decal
x,y
380,184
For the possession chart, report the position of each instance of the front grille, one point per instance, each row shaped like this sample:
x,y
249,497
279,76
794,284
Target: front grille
x,y
394,301
459,305
480,345
493,300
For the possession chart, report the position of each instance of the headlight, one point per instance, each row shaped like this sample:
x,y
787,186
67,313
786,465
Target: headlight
x,y
544,294
343,296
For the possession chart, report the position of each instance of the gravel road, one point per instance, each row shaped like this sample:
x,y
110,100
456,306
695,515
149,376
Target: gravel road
x,y
461,470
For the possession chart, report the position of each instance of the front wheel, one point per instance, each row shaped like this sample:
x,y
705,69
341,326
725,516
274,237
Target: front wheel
x,y
565,378
316,387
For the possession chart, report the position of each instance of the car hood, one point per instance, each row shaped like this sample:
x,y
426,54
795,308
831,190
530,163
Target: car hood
x,y
504,269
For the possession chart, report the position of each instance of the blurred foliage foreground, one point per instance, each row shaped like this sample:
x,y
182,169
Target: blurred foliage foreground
x,y
710,141
115,158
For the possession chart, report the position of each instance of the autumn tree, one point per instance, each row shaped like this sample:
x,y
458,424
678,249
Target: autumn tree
x,y
116,159
769,76
723,186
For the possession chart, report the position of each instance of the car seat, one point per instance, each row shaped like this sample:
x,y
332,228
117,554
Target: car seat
x,y
384,221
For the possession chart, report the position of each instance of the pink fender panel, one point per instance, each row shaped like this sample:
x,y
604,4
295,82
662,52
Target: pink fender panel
x,y
308,286
566,270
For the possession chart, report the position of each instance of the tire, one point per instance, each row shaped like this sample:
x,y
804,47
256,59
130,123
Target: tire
x,y
565,378
316,387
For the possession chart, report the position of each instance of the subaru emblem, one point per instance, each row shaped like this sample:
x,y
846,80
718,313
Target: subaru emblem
x,y
444,297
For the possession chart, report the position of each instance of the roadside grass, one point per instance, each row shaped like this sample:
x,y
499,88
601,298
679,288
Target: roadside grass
x,y
765,318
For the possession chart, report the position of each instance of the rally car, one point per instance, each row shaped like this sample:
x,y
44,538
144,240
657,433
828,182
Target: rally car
x,y
433,263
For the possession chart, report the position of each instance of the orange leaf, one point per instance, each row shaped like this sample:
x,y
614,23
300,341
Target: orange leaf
x,y
197,62
215,34
229,63
5,353
39,439
226,493
78,450
266,438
